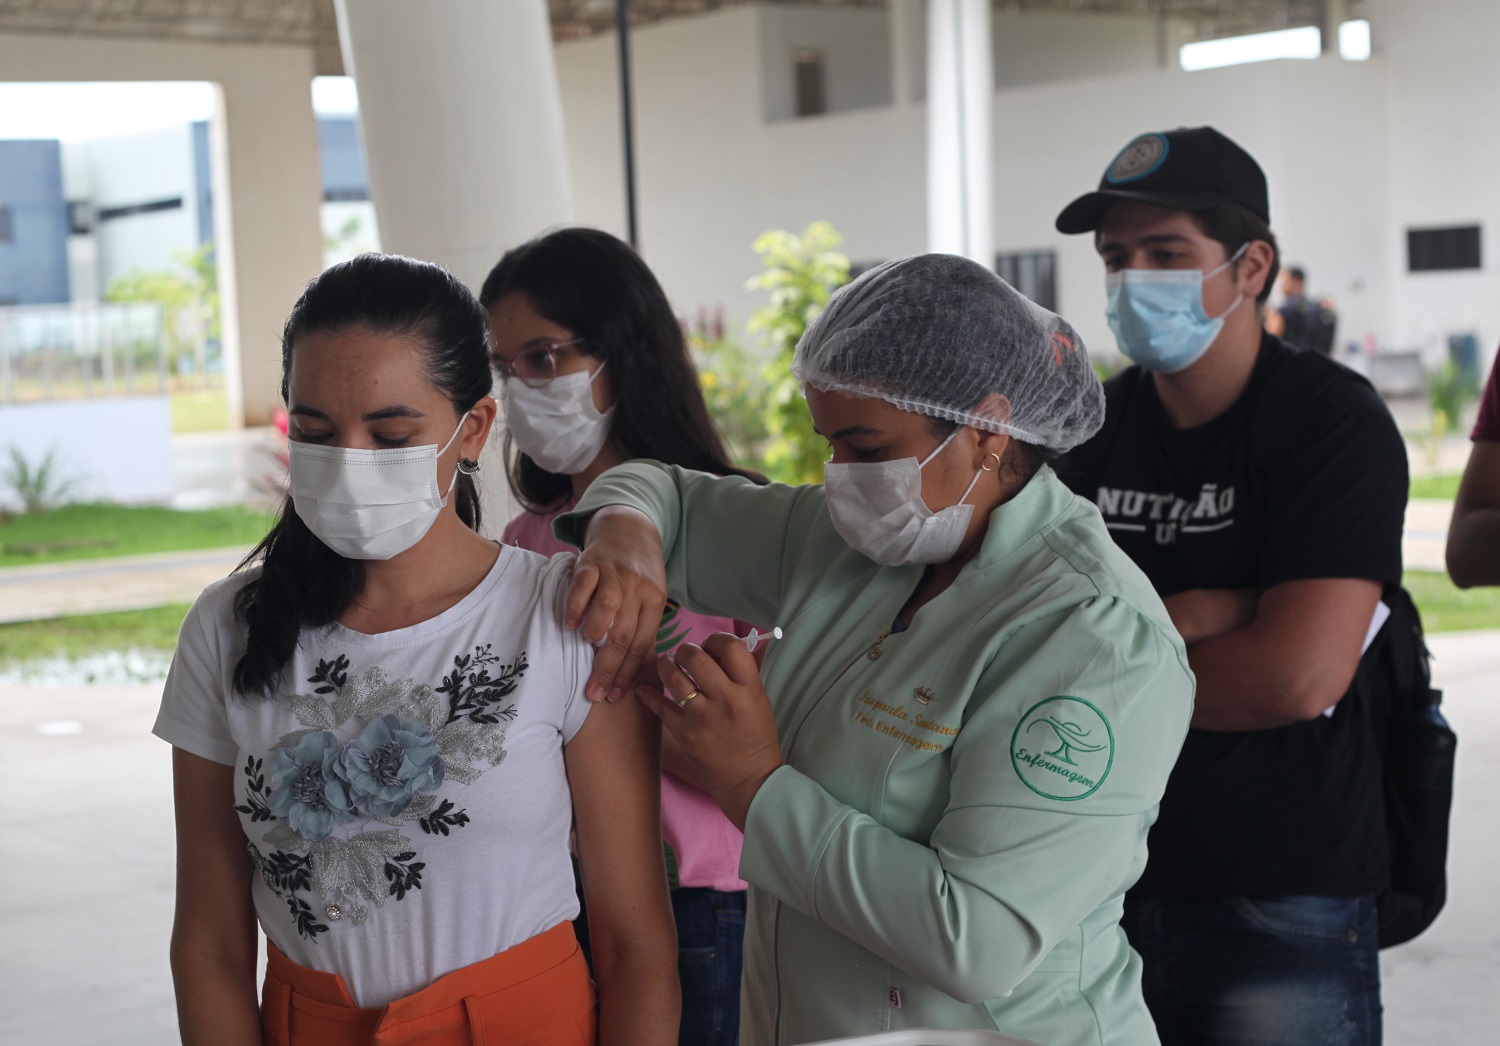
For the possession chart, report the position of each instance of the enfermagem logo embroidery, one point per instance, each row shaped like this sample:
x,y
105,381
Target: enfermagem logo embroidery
x,y
1063,748
1138,159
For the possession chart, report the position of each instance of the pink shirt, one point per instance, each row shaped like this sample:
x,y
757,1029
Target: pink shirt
x,y
707,846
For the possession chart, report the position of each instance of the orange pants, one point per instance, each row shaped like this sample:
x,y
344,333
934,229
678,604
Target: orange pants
x,y
537,993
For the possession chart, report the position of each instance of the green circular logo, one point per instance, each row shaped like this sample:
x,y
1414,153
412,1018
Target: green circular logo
x,y
1063,748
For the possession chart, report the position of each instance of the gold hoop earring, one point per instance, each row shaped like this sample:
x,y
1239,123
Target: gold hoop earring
x,y
985,466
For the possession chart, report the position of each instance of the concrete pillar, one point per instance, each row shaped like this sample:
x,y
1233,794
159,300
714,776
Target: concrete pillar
x,y
906,34
462,125
461,118
267,188
960,113
1335,14
266,182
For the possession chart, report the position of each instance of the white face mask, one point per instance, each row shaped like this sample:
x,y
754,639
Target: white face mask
x,y
877,508
368,504
557,426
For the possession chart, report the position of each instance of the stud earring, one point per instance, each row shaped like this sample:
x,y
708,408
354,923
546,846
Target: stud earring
x,y
467,466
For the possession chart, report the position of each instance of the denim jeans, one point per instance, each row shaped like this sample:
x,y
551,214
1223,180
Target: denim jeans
x,y
1259,971
710,950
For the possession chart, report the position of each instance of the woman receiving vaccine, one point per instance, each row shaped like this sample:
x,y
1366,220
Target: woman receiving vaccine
x,y
595,372
946,769
379,735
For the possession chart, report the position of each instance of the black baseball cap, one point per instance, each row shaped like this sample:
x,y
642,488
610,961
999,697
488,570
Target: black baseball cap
x,y
1187,169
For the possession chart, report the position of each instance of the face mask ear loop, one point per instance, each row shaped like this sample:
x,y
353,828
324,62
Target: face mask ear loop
x,y
939,450
1236,256
972,484
1220,268
454,483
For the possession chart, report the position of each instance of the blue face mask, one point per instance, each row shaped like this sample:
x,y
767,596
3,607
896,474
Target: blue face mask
x,y
1157,315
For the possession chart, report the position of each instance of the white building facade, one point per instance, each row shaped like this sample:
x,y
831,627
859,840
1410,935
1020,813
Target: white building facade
x,y
1358,153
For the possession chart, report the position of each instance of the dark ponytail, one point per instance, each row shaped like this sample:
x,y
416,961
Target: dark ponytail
x,y
597,287
303,583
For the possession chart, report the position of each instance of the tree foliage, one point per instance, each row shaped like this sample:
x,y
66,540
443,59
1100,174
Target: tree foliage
x,y
801,271
188,294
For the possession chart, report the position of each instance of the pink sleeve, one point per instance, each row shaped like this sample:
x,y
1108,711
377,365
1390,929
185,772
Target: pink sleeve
x,y
533,532
1487,428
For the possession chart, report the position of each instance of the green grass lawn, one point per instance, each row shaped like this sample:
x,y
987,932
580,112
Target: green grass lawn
x,y
1445,487
100,530
1447,608
88,634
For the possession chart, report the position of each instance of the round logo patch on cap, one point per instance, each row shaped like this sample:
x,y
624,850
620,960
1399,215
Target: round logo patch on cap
x,y
1063,748
1138,159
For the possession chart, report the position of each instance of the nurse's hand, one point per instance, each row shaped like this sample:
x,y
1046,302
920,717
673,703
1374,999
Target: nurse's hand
x,y
619,590
717,712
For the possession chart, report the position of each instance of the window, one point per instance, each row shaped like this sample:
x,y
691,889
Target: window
x,y
110,213
7,225
1033,273
80,217
1435,250
812,92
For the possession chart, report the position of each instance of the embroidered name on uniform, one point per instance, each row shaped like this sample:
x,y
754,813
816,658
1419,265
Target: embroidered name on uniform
x,y
895,721
1063,748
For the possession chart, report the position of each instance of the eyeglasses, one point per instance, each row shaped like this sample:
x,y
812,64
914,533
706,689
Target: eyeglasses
x,y
536,364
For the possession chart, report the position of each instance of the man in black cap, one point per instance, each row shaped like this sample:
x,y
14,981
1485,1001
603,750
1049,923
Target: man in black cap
x,y
1262,490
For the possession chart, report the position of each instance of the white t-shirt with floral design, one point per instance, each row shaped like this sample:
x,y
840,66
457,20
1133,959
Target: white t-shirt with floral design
x,y
403,797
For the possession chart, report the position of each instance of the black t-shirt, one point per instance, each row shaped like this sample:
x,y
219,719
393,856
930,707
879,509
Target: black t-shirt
x,y
1303,477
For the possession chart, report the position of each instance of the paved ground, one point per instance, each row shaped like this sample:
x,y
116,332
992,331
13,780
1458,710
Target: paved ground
x,y
121,583
238,466
86,823
86,871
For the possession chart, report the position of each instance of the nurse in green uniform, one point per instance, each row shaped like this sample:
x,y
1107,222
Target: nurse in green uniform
x,y
946,770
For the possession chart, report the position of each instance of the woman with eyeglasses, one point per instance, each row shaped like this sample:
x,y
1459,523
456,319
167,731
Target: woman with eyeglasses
x,y
595,371
380,739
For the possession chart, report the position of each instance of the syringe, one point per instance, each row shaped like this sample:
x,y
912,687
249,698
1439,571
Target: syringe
x,y
755,639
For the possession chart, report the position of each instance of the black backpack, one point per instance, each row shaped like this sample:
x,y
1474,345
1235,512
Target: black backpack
x,y
1417,745
1394,678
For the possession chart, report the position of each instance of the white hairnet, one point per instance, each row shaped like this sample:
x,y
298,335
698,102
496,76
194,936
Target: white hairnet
x,y
944,336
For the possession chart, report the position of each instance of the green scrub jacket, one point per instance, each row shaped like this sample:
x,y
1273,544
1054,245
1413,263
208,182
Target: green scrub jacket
x,y
964,803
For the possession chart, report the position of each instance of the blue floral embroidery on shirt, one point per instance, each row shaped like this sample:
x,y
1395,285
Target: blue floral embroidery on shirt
x,y
411,739
388,764
308,789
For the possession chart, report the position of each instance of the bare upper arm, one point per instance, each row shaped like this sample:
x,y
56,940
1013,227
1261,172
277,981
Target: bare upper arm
x,y
614,772
1471,550
1316,630
215,913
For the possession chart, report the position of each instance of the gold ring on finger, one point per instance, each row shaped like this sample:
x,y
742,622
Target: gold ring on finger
x,y
682,702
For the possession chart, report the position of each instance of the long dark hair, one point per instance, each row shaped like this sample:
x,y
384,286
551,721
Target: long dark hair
x,y
598,287
303,583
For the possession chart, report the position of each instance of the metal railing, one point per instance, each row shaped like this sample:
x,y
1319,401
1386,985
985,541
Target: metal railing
x,y
69,352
